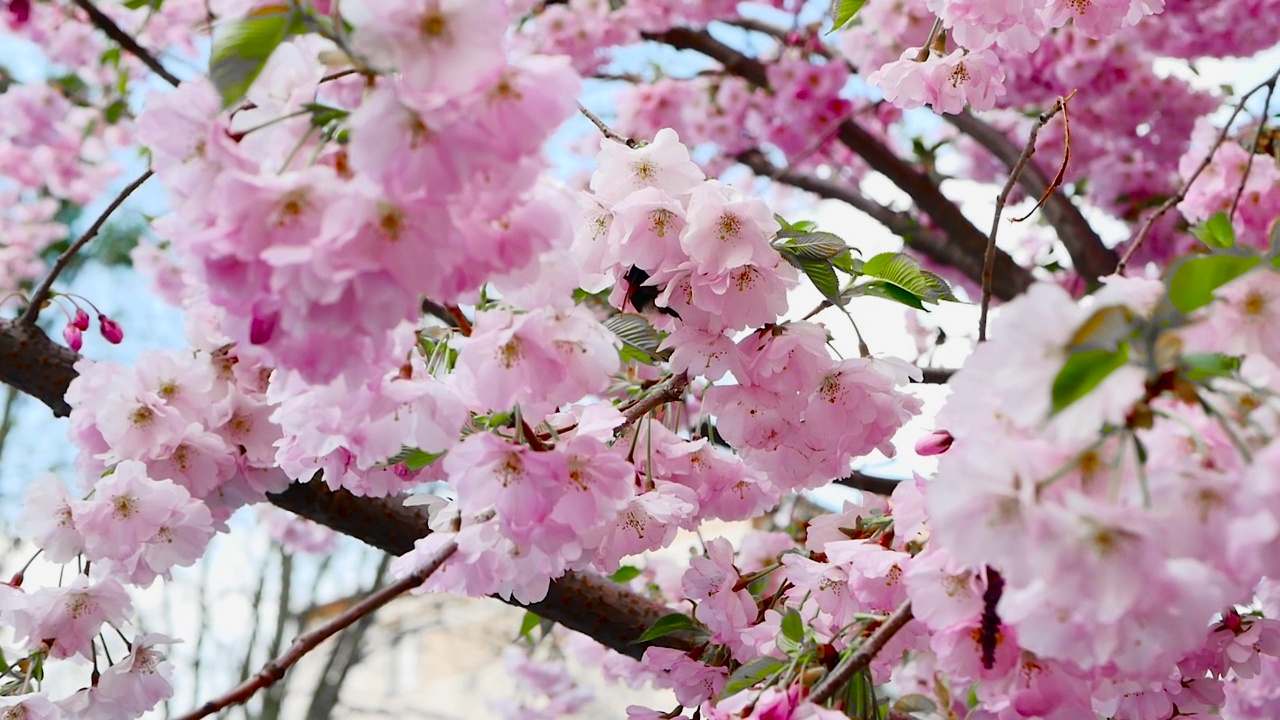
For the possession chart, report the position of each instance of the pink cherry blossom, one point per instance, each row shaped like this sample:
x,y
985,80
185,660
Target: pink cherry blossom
x,y
142,679
663,164
67,618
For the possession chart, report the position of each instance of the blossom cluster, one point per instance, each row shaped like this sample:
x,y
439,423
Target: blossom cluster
x,y
1088,549
318,249
595,486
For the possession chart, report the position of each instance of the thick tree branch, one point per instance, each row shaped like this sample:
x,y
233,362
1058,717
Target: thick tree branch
x,y
36,365
1010,278
960,232
592,605
1092,259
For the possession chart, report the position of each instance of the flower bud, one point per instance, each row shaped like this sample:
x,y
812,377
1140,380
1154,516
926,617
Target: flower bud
x,y
111,329
73,336
82,319
935,443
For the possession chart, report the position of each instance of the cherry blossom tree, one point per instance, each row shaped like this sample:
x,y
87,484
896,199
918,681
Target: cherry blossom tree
x,y
403,324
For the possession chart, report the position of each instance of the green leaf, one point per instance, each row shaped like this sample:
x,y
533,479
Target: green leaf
x,y
634,330
1192,281
752,673
322,115
1198,367
413,458
823,276
915,703
71,84
665,625
848,263
527,625
793,626
640,341
241,49
625,574
845,10
793,229
887,291
135,4
1105,329
814,246
419,459
902,270
788,646
1083,372
114,111
1216,232
629,354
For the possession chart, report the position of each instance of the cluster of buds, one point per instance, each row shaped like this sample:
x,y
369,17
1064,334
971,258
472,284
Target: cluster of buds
x,y
78,323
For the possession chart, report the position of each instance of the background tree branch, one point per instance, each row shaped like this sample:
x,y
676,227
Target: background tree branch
x,y
960,233
1091,258
1010,279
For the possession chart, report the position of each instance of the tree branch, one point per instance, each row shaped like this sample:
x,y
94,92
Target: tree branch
x,y
670,390
861,657
104,23
868,483
960,232
1091,258
41,293
1010,279
1181,194
595,606
989,259
274,670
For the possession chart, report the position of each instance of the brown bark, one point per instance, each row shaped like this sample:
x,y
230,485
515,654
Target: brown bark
x,y
590,604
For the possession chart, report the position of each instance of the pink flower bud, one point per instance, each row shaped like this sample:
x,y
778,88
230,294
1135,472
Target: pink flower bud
x,y
111,329
935,443
82,319
19,12
73,336
262,328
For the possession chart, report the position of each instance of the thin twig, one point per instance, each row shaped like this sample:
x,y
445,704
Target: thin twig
x,y
439,312
41,293
1056,182
273,671
923,55
462,323
1181,194
836,679
1257,139
126,41
605,129
989,258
